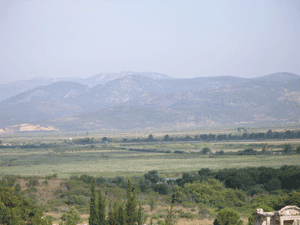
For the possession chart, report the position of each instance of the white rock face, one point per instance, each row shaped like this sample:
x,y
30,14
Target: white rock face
x,y
289,215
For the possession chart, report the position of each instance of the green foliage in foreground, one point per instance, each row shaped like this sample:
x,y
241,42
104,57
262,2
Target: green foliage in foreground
x,y
212,192
118,212
72,217
93,212
228,217
14,209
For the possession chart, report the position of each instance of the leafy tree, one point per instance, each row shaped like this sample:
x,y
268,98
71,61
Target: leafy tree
x,y
187,138
144,185
273,184
205,150
166,137
290,134
213,193
298,149
150,137
72,217
269,134
204,172
161,189
104,139
17,188
287,149
290,177
33,183
16,210
204,137
178,195
228,217
152,176
8,215
221,152
93,212
293,199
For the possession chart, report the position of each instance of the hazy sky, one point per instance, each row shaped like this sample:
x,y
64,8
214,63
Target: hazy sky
x,y
180,38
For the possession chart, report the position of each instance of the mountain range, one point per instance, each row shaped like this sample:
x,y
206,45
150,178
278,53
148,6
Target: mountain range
x,y
13,88
151,100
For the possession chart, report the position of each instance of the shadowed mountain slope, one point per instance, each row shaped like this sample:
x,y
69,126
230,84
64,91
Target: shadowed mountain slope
x,y
136,101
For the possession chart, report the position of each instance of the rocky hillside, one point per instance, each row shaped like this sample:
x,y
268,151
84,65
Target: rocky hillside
x,y
136,101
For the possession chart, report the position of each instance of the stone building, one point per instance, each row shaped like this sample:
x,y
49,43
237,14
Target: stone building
x,y
289,215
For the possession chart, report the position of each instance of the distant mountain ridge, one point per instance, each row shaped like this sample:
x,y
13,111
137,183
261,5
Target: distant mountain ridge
x,y
118,103
13,88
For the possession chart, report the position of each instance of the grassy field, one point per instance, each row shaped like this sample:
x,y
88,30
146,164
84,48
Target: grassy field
x,y
129,159
68,160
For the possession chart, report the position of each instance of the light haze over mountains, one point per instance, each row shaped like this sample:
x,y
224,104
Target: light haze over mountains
x,y
194,42
153,100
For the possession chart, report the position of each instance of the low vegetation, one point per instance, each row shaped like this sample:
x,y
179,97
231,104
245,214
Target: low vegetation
x,y
64,181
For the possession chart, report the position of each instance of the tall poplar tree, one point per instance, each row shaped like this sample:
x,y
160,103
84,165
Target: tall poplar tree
x,y
101,209
130,209
140,215
93,212
121,215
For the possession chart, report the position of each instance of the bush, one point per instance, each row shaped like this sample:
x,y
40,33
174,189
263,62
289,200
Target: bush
x,y
178,195
287,149
204,172
152,176
178,152
72,217
33,183
298,149
205,150
273,185
17,188
220,152
228,217
161,189
203,212
293,199
213,193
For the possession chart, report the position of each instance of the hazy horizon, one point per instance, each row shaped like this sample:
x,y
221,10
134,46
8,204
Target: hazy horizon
x,y
126,71
182,39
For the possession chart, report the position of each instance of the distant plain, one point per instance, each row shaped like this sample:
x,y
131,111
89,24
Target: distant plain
x,y
131,159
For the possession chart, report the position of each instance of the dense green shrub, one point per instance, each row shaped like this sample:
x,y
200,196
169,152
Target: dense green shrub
x,y
72,217
298,150
161,188
14,209
228,217
293,199
213,193
33,182
17,188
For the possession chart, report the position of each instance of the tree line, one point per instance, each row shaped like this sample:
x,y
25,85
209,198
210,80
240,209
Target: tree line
x,y
289,134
